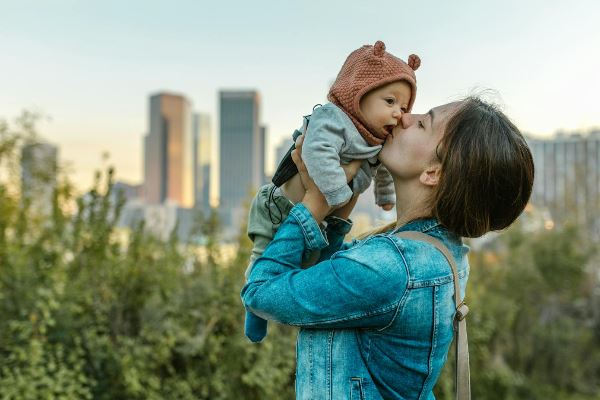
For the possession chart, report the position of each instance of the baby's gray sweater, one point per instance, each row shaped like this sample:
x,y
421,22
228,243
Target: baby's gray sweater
x,y
332,139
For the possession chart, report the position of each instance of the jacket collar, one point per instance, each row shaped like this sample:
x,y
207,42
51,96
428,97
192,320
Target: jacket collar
x,y
419,225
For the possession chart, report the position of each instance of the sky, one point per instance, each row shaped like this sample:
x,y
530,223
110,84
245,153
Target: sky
x,y
90,66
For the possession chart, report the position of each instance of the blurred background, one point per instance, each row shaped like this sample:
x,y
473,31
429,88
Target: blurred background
x,y
134,134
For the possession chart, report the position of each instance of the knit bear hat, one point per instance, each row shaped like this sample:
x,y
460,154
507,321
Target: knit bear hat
x,y
365,69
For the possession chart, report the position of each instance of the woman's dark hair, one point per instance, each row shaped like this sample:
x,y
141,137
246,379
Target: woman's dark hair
x,y
487,171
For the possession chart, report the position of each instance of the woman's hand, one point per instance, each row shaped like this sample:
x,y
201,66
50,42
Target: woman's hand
x,y
313,198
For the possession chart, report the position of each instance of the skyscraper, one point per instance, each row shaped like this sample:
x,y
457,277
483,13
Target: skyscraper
x,y
203,159
39,163
261,154
281,150
240,148
168,149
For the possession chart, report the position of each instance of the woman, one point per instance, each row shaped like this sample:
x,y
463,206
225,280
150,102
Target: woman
x,y
376,314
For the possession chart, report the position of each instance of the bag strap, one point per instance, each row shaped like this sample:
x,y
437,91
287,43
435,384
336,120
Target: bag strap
x,y
462,377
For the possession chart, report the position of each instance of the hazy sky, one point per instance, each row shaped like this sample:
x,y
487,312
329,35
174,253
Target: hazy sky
x,y
90,65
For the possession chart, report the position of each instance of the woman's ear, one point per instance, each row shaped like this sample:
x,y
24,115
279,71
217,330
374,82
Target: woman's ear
x,y
431,175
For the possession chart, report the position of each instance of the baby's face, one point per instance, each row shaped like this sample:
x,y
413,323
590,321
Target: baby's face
x,y
383,107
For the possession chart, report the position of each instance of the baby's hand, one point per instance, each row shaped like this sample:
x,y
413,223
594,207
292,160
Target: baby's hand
x,y
387,207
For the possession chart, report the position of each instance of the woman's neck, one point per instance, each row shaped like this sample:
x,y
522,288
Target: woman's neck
x,y
412,201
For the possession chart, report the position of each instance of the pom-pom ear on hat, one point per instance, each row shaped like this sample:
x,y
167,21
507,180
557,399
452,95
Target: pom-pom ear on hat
x,y
379,48
414,62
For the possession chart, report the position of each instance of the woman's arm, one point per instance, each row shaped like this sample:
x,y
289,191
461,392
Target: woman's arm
x,y
359,287
338,222
338,225
337,218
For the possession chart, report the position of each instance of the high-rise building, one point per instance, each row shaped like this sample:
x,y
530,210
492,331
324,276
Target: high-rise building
x,y
567,178
262,147
203,160
240,169
281,150
168,150
39,164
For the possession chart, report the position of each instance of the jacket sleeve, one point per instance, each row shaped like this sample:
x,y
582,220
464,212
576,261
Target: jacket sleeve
x,y
336,231
385,193
321,149
358,287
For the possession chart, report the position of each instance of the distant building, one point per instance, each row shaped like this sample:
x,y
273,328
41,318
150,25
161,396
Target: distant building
x,y
282,149
262,146
567,178
161,220
168,151
130,192
241,146
39,164
203,160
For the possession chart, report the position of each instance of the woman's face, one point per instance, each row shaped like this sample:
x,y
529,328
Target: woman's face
x,y
410,149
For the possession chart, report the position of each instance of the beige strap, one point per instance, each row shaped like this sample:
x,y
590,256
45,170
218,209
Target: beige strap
x,y
463,377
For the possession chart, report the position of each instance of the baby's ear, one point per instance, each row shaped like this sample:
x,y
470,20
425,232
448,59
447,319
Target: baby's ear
x,y
414,62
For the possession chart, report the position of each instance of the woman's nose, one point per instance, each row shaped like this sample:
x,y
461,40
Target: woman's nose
x,y
407,120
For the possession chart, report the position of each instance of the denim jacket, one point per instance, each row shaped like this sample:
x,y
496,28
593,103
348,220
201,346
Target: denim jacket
x,y
375,316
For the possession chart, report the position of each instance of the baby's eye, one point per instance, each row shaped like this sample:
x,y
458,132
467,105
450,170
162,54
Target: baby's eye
x,y
389,101
421,125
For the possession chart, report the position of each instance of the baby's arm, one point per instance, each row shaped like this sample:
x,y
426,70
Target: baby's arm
x,y
321,153
385,194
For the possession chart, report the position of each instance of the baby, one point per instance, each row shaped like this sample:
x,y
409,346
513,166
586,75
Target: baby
x,y
371,92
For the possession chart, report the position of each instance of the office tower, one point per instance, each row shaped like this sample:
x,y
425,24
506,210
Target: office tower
x,y
168,149
203,159
129,191
262,147
240,147
282,149
39,163
567,178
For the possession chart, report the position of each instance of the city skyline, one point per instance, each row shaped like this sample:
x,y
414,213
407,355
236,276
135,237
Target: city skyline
x,y
90,67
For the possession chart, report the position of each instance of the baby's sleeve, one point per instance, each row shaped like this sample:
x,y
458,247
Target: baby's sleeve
x,y
385,192
323,143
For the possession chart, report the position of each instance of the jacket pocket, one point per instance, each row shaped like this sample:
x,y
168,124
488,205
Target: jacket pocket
x,y
356,389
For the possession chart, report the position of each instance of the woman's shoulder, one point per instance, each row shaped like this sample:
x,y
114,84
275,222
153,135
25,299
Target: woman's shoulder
x,y
378,251
425,262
